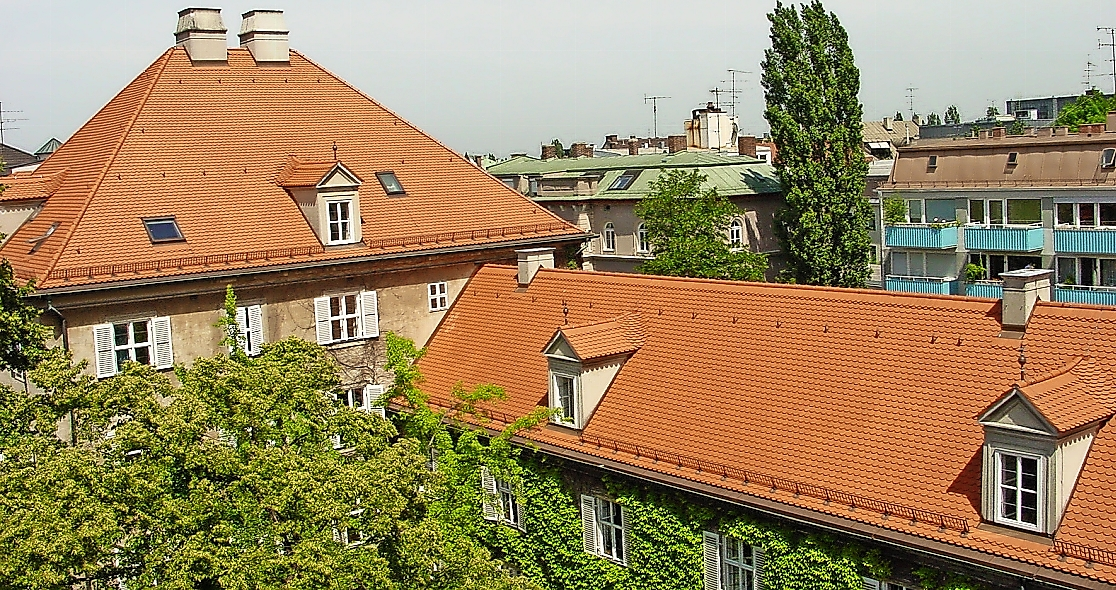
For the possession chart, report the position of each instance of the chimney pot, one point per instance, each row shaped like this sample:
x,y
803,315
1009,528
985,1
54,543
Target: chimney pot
x,y
265,34
531,260
1022,289
203,34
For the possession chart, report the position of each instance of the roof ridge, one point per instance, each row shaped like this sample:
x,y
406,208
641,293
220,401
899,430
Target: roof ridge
x,y
161,64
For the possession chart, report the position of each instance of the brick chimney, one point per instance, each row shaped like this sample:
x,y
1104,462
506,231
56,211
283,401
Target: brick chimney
x,y
1090,128
264,33
998,132
530,261
578,150
746,145
984,134
203,34
887,124
633,147
1022,289
676,143
549,151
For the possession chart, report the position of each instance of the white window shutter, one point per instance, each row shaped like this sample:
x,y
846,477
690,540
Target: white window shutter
x,y
759,560
488,488
711,551
372,394
255,329
624,528
161,340
242,328
104,346
370,314
435,453
872,584
589,523
321,320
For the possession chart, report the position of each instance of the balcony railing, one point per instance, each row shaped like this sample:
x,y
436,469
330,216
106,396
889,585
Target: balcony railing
x,y
1085,240
990,289
1004,238
921,236
933,285
1083,294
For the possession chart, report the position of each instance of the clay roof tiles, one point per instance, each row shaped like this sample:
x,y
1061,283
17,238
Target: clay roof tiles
x,y
206,145
30,186
602,339
866,393
1072,397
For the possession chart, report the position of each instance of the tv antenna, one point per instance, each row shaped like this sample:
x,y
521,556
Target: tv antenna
x,y
4,120
718,91
733,92
1111,45
910,100
654,110
1088,82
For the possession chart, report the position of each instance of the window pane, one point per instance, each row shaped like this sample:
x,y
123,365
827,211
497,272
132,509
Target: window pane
x,y
1087,214
334,306
350,304
939,210
1108,272
1067,270
162,230
1024,210
914,209
357,395
1108,214
139,332
121,356
1088,274
1065,213
334,213
335,327
1021,262
120,334
996,266
976,211
995,212
351,328
143,355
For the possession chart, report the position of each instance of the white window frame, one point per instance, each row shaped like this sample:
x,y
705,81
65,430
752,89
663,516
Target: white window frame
x,y
365,311
597,529
719,563
736,233
345,226
158,344
608,238
574,418
362,397
500,503
643,245
249,322
1039,491
437,295
348,537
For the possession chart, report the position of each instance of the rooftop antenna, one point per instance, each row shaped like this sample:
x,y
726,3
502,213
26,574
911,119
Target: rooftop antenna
x,y
1111,45
4,120
1088,83
717,92
654,110
732,77
910,100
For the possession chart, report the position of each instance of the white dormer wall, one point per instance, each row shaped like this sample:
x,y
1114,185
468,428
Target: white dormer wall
x,y
593,379
1069,459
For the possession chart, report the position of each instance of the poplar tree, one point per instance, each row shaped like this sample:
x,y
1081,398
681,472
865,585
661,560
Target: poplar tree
x,y
811,84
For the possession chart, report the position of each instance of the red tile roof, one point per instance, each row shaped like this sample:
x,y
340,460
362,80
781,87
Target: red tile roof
x,y
1071,397
868,398
207,145
298,174
30,186
609,338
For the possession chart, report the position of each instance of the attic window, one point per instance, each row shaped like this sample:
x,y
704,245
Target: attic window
x,y
932,162
1108,158
1013,158
163,229
624,181
390,183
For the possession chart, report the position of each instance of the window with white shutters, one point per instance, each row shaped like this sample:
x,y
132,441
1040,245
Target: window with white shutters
x,y
605,524
350,316
730,563
249,321
872,584
500,503
146,341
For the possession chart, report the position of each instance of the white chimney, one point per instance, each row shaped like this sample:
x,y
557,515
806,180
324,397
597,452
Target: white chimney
x,y
264,33
203,34
887,124
1022,289
530,261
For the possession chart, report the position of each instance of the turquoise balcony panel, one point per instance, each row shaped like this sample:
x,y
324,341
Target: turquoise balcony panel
x,y
990,289
921,236
1002,238
1092,295
932,285
1085,240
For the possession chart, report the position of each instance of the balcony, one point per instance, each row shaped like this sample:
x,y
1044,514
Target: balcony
x,y
1004,238
921,236
1085,240
1082,294
989,289
932,285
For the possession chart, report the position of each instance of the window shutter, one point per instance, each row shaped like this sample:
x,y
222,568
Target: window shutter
x,y
104,345
870,584
161,340
372,393
336,533
488,487
435,453
759,560
589,523
255,330
242,328
624,528
711,543
370,314
321,320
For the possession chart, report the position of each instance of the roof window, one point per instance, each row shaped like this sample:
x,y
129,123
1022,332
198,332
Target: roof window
x,y
390,183
163,229
624,181
1013,158
932,162
1108,158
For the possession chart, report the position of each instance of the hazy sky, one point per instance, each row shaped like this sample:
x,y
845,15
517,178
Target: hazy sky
x,y
500,76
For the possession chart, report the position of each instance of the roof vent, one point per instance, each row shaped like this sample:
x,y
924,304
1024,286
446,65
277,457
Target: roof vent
x,y
203,34
264,33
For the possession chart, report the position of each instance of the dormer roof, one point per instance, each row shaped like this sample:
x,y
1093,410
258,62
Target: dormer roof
x,y
302,174
1058,403
30,186
596,340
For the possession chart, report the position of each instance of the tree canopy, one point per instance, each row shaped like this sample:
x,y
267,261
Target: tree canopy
x,y
952,115
933,119
688,228
811,84
1091,107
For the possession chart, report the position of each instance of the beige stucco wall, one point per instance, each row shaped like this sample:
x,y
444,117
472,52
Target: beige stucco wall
x,y
595,381
14,215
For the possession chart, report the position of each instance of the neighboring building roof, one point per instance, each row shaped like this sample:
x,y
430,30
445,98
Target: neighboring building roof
x,y
880,168
13,157
871,397
602,339
48,148
207,144
902,132
30,186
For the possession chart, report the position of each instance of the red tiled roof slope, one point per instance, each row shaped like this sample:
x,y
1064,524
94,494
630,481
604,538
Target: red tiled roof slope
x,y
29,186
598,340
868,393
300,174
206,144
1070,398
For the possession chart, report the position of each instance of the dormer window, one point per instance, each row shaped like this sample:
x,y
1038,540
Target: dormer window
x,y
340,221
565,396
328,195
163,229
1019,487
391,184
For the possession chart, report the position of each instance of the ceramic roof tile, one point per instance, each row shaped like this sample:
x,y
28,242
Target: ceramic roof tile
x,y
871,394
29,186
609,338
206,145
297,173
1072,397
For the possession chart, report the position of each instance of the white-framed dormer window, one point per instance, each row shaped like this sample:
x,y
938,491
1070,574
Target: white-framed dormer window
x,y
564,393
437,296
736,233
1019,489
249,321
608,238
643,244
339,226
730,563
500,503
145,341
604,528
345,317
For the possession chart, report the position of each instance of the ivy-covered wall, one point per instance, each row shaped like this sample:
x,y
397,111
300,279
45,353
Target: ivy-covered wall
x,y
665,540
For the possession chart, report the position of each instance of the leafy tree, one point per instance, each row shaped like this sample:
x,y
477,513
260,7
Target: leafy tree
x,y
236,482
558,149
811,84
952,115
21,334
991,112
1016,128
1091,107
898,115
686,229
933,119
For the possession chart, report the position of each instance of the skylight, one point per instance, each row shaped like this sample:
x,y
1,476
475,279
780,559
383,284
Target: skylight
x,y
390,183
1013,158
163,229
624,181
1108,158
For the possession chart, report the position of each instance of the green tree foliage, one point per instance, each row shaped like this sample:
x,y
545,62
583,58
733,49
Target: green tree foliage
x,y
687,230
21,334
898,115
229,477
558,149
933,119
811,84
952,115
1016,128
1091,107
991,112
